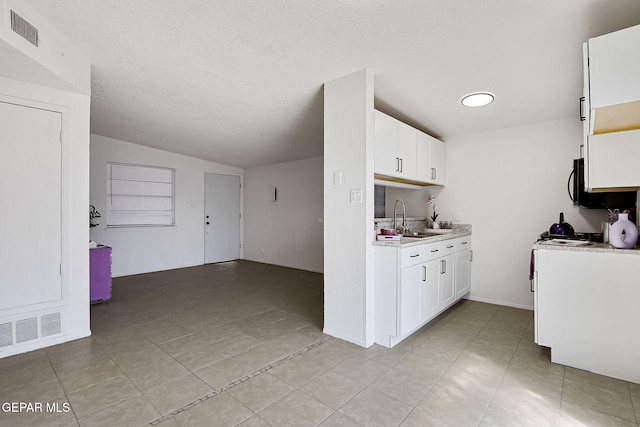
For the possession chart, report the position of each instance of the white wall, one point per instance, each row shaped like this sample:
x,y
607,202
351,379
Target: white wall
x,y
144,249
511,184
287,232
55,63
348,227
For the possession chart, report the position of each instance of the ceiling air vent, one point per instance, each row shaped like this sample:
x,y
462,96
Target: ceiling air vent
x,y
25,30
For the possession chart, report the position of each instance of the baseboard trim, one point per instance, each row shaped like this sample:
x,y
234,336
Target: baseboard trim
x,y
498,302
344,337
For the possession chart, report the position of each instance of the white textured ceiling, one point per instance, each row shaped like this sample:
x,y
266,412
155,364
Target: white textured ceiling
x,y
240,81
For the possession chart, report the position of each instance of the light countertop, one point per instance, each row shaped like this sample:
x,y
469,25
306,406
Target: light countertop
x,y
406,242
588,247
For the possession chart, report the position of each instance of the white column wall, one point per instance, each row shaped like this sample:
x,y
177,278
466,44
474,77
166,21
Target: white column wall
x,y
348,227
75,225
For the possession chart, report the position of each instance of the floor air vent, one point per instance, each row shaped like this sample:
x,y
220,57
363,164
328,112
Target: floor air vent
x,y
26,330
50,324
30,329
6,334
24,29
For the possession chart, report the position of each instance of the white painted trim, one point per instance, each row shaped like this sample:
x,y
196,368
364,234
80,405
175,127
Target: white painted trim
x,y
285,265
499,302
352,340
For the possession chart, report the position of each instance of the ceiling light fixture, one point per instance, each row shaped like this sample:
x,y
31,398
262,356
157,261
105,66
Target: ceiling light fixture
x,y
477,99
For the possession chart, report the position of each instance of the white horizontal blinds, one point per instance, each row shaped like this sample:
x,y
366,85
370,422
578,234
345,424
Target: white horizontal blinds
x,y
139,195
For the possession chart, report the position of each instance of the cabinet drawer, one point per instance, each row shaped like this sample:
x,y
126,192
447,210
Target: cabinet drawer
x,y
440,249
412,256
463,243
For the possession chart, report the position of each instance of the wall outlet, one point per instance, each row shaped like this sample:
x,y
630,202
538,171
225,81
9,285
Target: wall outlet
x,y
457,216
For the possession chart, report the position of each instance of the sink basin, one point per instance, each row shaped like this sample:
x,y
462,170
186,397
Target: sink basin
x,y
420,235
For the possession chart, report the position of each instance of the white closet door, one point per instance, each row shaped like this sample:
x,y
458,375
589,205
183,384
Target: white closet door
x,y
30,214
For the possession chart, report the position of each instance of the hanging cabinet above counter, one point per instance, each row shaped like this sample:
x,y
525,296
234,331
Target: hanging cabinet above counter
x,y
610,109
612,92
406,155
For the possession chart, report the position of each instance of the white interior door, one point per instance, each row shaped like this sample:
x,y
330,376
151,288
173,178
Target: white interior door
x,y
30,212
221,218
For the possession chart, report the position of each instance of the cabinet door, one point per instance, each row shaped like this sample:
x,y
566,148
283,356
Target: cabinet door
x,y
410,283
614,66
386,160
423,157
613,159
407,150
447,291
462,273
437,161
430,289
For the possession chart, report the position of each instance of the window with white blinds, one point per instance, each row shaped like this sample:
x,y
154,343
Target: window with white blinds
x,y
140,195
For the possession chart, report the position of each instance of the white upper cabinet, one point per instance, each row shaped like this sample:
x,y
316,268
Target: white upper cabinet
x,y
386,145
407,150
613,160
430,159
395,147
611,110
405,154
612,65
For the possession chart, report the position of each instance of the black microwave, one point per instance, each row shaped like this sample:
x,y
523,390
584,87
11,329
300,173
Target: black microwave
x,y
623,200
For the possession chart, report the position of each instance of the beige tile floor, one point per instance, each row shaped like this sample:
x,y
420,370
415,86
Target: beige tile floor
x,y
241,344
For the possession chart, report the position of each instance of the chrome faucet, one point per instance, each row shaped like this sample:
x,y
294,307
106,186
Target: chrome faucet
x,y
403,228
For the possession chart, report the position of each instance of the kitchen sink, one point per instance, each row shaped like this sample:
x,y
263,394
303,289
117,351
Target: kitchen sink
x,y
420,235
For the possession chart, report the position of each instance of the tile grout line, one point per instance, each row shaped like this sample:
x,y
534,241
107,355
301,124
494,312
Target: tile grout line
x,y
66,396
239,381
486,409
636,411
451,363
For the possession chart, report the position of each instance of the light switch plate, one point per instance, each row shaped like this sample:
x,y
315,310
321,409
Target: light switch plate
x,y
337,178
457,216
356,195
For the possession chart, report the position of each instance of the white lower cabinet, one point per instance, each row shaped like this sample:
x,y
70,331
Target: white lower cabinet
x,y
430,290
463,273
410,283
415,284
586,309
447,291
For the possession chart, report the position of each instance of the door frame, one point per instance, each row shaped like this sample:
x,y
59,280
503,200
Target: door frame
x,y
204,208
